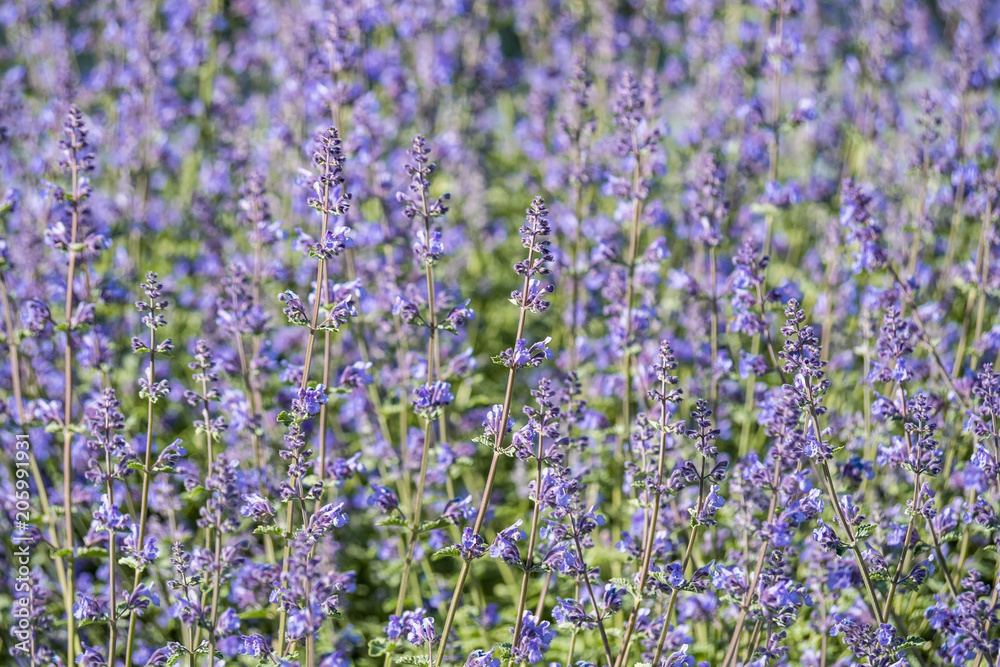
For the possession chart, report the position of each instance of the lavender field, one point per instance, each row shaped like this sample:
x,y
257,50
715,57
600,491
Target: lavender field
x,y
462,332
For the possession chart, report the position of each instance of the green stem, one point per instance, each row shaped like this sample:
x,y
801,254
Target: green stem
x,y
70,590
528,561
491,475
303,383
146,474
418,502
647,554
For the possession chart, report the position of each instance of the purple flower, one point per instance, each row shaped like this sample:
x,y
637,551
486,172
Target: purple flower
x,y
472,546
430,399
534,641
522,356
383,498
505,544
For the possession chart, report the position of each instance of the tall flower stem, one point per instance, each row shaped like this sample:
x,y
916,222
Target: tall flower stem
x,y
485,501
330,159
303,383
112,559
851,538
433,369
907,545
70,589
418,502
734,641
593,598
647,554
258,411
772,507
529,558
321,445
146,474
501,433
210,530
216,575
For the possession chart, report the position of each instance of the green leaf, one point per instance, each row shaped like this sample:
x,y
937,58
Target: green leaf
x,y
380,646
622,582
131,562
913,641
285,418
268,530
864,530
843,547
255,613
434,524
483,440
193,493
91,552
393,520
447,551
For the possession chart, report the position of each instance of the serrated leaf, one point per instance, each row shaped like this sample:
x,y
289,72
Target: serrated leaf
x,y
268,530
255,613
130,562
843,547
864,530
379,646
446,552
913,641
433,524
394,520
622,582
